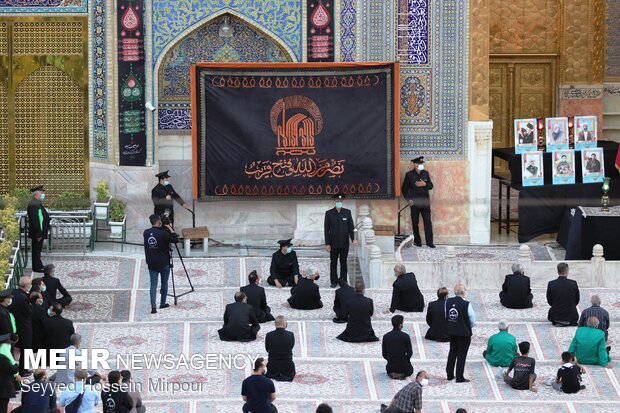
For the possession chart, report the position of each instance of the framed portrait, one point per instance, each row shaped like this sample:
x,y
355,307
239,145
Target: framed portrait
x,y
592,165
532,170
525,135
563,167
557,134
585,132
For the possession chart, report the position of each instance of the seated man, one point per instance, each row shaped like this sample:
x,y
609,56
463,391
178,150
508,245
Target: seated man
x,y
256,298
53,286
406,295
568,379
409,398
501,348
359,310
279,345
258,391
516,291
397,350
588,345
597,311
284,270
342,296
524,377
57,330
436,318
240,323
305,295
39,396
563,297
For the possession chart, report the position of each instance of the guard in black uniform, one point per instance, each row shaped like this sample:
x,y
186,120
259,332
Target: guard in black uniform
x,y
38,226
415,189
284,270
338,230
164,195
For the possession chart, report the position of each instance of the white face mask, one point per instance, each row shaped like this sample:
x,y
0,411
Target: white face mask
x,y
424,382
420,167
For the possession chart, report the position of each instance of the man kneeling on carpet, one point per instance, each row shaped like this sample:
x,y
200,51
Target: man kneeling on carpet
x,y
524,377
501,347
240,323
279,345
568,379
258,391
589,345
397,350
305,295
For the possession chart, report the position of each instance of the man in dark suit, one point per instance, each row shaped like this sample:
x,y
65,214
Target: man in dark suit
x,y
39,396
6,325
359,310
256,298
57,330
38,225
461,320
240,323
406,295
22,311
516,291
8,369
284,269
163,196
279,345
436,318
53,286
397,350
415,189
338,230
343,294
305,295
563,297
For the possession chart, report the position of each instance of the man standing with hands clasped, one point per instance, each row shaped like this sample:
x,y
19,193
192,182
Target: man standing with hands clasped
x,y
338,230
38,225
164,195
415,189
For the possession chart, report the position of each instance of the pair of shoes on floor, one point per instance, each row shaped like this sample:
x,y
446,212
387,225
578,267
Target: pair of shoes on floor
x,y
419,244
463,380
154,310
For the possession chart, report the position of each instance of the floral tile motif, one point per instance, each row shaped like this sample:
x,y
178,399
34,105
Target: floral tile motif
x,y
94,272
495,407
203,272
477,253
98,306
199,305
492,309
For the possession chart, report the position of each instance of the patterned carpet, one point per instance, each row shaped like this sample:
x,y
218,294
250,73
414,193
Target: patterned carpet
x,y
111,310
477,253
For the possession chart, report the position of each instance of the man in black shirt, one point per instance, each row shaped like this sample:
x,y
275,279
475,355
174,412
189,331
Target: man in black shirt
x,y
563,297
53,286
279,345
240,323
22,310
256,298
524,376
114,397
415,189
157,251
305,295
338,230
284,270
38,226
258,391
397,350
359,310
406,295
568,379
516,291
163,196
436,318
342,296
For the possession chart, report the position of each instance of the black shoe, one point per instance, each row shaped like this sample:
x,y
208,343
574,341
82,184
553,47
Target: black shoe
x,y
450,378
582,387
431,245
338,321
333,285
164,305
417,244
153,311
38,270
383,407
608,348
463,380
317,278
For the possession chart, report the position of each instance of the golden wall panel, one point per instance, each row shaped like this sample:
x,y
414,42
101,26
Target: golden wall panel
x,y
49,131
532,77
479,60
48,38
524,26
531,105
4,48
4,139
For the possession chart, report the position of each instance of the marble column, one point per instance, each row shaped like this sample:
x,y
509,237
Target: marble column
x,y
479,156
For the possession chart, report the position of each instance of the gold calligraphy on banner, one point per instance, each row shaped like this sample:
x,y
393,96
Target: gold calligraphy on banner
x,y
295,167
297,190
287,82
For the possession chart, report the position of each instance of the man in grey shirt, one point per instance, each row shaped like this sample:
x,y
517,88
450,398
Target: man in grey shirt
x,y
65,376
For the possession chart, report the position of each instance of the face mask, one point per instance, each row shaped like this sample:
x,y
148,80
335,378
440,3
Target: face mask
x,y
424,382
289,250
10,301
338,205
28,290
49,312
43,288
420,167
42,197
166,183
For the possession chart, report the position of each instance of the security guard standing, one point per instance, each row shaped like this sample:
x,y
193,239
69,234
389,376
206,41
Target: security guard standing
x,y
415,189
164,195
338,230
38,225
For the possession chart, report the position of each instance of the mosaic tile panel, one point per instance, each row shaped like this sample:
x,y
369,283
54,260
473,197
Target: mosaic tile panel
x,y
100,109
413,32
43,6
348,20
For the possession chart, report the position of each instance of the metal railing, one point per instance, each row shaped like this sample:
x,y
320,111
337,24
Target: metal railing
x,y
70,230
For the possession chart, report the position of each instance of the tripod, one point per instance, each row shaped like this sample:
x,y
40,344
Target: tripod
x,y
174,291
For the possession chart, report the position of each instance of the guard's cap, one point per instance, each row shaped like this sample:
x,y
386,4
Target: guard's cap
x,y
339,196
37,188
6,293
285,242
419,160
163,175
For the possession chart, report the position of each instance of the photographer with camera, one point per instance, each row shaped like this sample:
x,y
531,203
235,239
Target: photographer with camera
x,y
157,241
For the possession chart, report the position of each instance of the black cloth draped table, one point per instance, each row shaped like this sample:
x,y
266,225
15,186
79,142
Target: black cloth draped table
x,y
589,226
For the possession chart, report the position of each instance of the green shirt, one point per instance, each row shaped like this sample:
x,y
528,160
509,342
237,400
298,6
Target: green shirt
x,y
589,346
501,349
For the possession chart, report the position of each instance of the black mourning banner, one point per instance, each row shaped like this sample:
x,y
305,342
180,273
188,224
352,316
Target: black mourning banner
x,y
294,130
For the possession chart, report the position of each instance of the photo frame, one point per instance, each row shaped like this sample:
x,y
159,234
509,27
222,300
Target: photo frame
x,y
556,134
563,167
532,169
585,132
592,165
525,135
